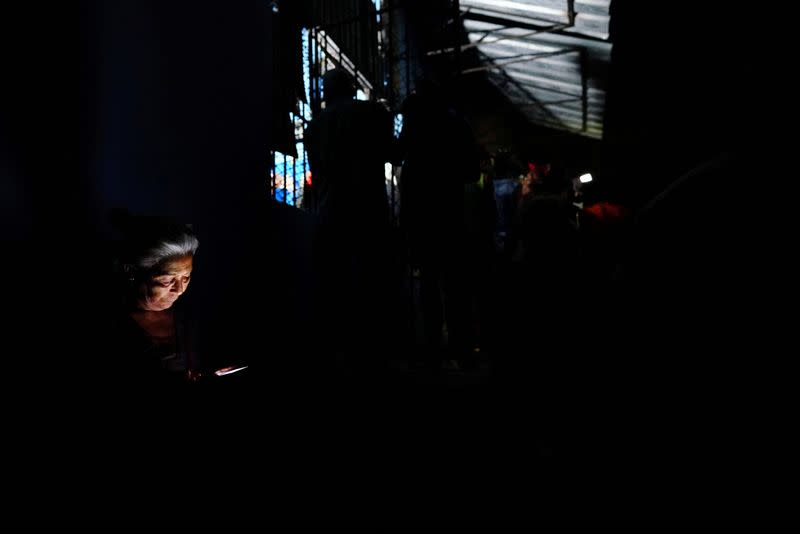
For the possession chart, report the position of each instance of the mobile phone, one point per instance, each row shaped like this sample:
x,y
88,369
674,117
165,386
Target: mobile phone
x,y
229,370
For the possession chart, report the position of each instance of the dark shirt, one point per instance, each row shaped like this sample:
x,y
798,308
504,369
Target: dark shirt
x,y
348,145
134,355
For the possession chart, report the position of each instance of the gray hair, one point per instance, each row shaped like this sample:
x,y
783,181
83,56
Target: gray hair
x,y
172,246
150,241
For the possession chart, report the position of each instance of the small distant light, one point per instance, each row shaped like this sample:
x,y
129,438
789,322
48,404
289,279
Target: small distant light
x,y
585,178
274,6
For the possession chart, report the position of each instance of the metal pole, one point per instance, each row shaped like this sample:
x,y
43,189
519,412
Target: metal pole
x,y
272,173
305,162
516,59
285,179
407,53
571,12
389,58
456,42
350,19
476,44
584,90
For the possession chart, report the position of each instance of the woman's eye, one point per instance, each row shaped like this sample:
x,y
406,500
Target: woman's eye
x,y
164,283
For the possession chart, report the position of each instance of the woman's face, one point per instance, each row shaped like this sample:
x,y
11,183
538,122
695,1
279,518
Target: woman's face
x,y
163,287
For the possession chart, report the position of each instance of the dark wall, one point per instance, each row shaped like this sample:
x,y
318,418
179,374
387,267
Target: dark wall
x,y
178,109
37,117
683,94
682,89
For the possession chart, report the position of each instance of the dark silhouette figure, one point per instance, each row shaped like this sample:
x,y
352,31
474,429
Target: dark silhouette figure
x,y
440,157
348,145
538,296
507,191
606,224
480,216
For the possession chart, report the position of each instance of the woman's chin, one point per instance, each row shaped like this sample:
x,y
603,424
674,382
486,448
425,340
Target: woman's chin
x,y
153,306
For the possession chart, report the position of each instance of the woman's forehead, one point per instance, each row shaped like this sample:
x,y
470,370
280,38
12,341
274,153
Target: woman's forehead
x,y
176,265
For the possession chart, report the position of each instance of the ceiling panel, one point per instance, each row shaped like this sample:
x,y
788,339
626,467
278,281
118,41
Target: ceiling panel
x,y
540,10
554,77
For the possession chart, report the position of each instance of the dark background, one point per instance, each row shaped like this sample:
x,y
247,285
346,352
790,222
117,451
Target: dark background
x,y
166,108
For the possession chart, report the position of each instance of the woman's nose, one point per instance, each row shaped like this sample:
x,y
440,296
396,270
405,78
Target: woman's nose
x,y
179,287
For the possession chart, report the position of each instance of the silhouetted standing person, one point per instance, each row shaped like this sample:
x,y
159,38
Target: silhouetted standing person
x,y
348,145
440,157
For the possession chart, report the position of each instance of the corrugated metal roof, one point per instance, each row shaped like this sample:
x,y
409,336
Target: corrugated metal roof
x,y
522,10
549,57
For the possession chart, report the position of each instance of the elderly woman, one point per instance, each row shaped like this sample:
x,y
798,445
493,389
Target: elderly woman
x,y
155,261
